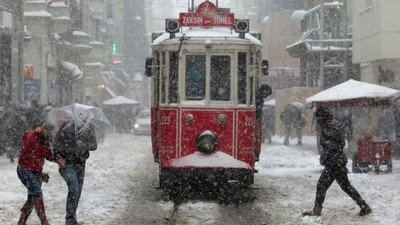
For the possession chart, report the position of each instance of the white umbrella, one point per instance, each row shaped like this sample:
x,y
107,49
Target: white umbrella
x,y
74,112
120,100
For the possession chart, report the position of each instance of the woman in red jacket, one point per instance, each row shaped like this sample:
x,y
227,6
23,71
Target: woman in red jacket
x,y
35,149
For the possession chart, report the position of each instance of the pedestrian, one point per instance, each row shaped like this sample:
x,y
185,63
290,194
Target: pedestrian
x,y
299,123
73,142
262,92
15,125
286,118
334,161
267,123
34,111
35,149
317,128
3,131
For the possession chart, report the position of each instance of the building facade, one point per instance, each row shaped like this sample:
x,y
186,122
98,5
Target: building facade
x,y
11,43
324,49
376,41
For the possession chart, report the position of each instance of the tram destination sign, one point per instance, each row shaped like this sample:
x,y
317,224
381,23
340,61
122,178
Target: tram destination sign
x,y
206,16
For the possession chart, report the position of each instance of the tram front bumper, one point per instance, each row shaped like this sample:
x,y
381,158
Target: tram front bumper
x,y
204,179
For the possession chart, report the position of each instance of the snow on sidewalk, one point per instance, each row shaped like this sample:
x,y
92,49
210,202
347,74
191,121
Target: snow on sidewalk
x,y
291,174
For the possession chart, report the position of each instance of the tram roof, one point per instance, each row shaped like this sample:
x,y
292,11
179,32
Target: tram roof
x,y
199,33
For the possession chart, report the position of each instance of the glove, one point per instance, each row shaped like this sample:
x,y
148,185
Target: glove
x,y
45,177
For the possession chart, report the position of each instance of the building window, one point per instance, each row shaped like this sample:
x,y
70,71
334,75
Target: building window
x,y
109,11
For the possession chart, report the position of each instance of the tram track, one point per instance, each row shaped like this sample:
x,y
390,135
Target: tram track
x,y
232,210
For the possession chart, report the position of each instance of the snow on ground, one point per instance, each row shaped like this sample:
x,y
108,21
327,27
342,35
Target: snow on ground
x,y
104,190
286,180
293,171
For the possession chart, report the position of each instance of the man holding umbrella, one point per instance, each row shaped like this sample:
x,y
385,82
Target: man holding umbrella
x,y
73,142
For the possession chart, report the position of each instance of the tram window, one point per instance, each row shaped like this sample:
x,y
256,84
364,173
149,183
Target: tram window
x,y
173,77
163,78
251,80
195,77
157,78
242,73
258,63
220,75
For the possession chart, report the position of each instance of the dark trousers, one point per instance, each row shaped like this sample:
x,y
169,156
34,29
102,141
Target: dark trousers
x,y
73,175
330,174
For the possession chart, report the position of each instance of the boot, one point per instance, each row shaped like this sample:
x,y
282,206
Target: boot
x,y
39,207
311,213
365,210
25,212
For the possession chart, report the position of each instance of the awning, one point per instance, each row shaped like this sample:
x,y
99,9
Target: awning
x,y
352,93
120,100
73,69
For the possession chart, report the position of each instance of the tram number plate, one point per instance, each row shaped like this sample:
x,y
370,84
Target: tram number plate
x,y
249,121
165,120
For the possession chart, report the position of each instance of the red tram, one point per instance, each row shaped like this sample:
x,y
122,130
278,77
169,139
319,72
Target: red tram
x,y
205,70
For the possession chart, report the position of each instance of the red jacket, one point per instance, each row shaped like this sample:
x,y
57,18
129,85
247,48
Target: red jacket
x,y
33,152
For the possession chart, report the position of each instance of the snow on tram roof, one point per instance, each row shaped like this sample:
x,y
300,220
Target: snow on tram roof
x,y
210,33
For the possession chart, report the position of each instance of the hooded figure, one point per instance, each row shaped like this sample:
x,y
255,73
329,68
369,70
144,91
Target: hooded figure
x,y
334,160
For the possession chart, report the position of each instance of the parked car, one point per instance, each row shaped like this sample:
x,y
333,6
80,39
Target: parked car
x,y
142,125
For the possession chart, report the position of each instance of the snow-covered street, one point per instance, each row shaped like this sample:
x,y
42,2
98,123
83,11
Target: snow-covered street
x,y
121,179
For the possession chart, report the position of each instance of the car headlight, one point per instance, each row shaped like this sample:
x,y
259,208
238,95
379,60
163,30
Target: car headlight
x,y
206,141
136,125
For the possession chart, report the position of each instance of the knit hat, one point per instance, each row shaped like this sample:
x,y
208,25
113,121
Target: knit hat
x,y
323,112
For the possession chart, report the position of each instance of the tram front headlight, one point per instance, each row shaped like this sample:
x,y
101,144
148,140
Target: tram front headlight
x,y
206,141
136,125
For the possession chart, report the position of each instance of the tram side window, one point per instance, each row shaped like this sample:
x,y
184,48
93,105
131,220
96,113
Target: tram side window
x,y
195,77
173,77
242,73
251,79
157,79
163,78
220,75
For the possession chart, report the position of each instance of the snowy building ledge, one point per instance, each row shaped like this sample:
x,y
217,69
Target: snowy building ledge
x,y
95,64
83,49
73,69
80,34
329,45
39,14
96,43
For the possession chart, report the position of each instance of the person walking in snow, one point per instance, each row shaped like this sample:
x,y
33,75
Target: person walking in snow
x,y
287,118
35,149
299,123
73,142
262,92
334,160
15,126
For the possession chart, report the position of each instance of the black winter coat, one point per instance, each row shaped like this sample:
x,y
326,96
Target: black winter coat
x,y
65,143
333,142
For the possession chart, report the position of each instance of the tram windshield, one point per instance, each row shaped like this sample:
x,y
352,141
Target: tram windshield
x,y
220,78
195,77
212,77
